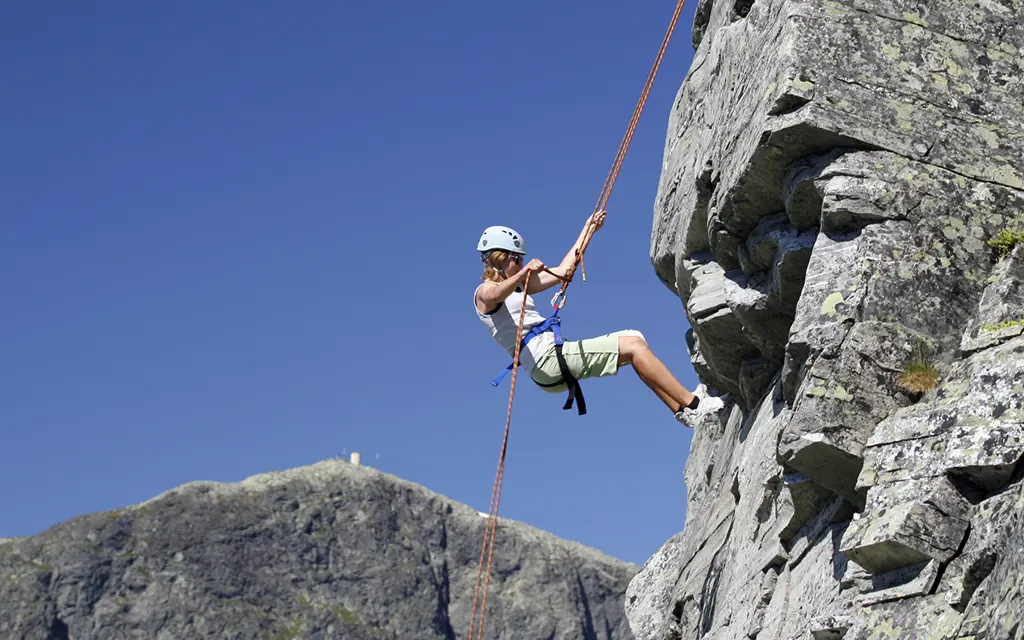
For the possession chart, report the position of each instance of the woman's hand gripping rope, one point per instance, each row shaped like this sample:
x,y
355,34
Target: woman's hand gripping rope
x,y
594,222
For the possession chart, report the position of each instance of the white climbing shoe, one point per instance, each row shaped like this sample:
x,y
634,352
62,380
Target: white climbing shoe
x,y
707,404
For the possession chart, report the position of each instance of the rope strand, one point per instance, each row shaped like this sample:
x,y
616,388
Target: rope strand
x,y
620,156
490,530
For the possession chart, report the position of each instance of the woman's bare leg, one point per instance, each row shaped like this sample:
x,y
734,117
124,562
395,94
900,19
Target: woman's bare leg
x,y
634,351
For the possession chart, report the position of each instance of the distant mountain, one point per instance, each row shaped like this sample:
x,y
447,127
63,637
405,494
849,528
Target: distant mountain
x,y
332,550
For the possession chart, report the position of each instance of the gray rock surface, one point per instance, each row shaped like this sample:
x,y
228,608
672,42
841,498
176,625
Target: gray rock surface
x,y
998,316
331,550
833,172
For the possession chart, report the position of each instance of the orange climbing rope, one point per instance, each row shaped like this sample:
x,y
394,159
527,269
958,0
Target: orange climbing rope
x,y
492,517
620,156
483,578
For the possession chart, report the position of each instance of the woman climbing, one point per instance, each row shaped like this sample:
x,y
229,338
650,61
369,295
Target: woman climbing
x,y
499,300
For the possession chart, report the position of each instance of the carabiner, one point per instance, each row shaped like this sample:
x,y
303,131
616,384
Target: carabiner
x,y
554,301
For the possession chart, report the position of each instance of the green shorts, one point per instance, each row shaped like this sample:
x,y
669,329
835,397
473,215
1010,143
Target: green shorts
x,y
589,358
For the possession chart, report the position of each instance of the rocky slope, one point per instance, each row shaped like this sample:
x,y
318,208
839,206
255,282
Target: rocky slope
x,y
834,173
328,551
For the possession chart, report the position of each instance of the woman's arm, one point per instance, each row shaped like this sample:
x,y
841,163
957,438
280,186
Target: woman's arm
x,y
542,281
491,294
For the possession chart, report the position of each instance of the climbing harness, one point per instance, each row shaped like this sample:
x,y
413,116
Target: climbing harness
x,y
558,302
552,323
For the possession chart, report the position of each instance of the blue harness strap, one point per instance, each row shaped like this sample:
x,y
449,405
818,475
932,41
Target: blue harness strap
x,y
552,323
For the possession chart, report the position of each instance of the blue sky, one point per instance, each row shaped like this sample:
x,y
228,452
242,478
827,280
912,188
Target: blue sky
x,y
236,240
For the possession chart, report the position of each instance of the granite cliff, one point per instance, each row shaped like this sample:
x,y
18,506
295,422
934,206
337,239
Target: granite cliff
x,y
333,550
841,211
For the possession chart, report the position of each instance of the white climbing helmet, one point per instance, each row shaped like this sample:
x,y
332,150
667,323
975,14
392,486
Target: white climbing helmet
x,y
501,238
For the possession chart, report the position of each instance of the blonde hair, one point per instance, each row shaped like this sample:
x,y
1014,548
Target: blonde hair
x,y
493,263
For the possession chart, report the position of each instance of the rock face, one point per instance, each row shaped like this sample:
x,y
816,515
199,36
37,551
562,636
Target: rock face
x,y
833,173
327,551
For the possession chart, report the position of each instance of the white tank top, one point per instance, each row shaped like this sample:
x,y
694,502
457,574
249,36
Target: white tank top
x,y
503,324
